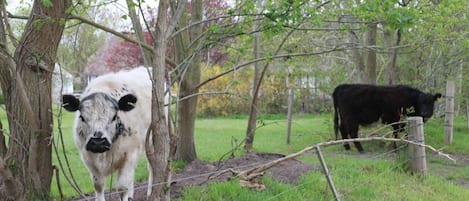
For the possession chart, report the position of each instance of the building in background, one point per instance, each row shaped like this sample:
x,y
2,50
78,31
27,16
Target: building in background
x,y
62,83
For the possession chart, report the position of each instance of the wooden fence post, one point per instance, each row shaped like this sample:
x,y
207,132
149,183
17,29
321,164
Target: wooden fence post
x,y
449,112
418,162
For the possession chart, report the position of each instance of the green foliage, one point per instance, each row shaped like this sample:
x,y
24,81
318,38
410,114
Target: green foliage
x,y
387,11
177,166
47,3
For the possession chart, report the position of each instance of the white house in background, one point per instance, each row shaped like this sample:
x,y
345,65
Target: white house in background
x,y
62,83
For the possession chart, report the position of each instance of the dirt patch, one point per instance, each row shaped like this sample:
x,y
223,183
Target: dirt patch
x,y
449,170
198,173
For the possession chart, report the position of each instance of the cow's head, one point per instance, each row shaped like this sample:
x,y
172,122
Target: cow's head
x,y
425,105
98,118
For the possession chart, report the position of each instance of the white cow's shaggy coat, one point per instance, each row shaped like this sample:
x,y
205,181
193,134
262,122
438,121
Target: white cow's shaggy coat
x,y
102,115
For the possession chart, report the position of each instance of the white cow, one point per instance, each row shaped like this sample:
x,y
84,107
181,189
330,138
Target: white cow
x,y
113,116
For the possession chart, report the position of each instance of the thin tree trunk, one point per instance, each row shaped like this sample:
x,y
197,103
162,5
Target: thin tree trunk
x,y
158,145
392,40
290,104
251,128
3,146
146,53
467,114
5,78
187,108
370,72
357,57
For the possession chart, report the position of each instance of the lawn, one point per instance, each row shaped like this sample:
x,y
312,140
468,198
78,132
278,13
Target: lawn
x,y
378,175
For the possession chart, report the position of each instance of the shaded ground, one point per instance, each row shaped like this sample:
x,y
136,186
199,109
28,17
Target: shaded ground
x,y
450,171
198,172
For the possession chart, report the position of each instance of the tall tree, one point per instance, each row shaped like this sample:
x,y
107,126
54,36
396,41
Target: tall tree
x,y
370,72
189,77
26,84
147,54
251,127
158,147
392,39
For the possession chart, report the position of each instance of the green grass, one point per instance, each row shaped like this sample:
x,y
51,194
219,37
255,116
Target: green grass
x,y
360,179
357,177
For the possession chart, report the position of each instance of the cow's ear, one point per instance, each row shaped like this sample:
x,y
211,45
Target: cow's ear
x,y
127,102
437,97
70,103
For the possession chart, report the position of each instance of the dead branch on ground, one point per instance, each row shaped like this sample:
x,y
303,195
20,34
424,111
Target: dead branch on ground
x,y
251,177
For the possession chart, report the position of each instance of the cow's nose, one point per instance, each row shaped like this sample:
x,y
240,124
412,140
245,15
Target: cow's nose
x,y
98,134
98,145
98,141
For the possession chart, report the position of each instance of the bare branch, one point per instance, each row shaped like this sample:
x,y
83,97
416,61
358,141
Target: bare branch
x,y
13,39
252,172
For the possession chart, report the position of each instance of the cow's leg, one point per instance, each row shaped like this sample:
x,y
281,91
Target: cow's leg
x,y
353,130
344,133
397,128
98,182
125,184
125,178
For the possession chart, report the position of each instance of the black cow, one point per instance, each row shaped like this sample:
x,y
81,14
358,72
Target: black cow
x,y
361,104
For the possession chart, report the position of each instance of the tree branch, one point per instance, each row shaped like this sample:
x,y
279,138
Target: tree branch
x,y
266,58
106,29
251,173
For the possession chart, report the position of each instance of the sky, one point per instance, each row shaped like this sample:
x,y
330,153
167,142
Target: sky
x,y
12,4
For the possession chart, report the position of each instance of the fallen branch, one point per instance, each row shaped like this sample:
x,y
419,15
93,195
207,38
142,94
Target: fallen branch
x,y
252,175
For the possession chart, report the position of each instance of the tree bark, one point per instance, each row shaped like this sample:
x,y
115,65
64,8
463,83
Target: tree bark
x,y
146,53
28,97
158,145
370,72
3,146
392,40
187,108
357,57
251,128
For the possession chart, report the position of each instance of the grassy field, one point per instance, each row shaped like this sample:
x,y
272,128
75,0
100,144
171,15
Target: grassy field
x,y
376,175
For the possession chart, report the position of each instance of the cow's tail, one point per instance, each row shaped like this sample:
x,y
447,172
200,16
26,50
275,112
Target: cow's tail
x,y
336,114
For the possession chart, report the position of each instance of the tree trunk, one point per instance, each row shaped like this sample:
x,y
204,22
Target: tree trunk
x,y
3,146
467,115
251,128
147,54
187,108
158,145
28,98
392,40
290,103
357,57
370,72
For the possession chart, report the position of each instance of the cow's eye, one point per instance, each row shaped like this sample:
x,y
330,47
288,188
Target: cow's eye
x,y
82,119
